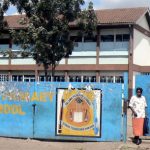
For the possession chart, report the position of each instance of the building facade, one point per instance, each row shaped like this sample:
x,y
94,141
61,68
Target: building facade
x,y
121,44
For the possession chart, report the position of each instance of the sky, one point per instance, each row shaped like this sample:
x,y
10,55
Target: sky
x,y
104,4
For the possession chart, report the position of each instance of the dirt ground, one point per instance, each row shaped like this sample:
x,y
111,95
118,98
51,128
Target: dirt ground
x,y
28,144
18,144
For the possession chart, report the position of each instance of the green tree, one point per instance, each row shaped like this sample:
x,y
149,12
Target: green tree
x,y
88,21
46,37
3,9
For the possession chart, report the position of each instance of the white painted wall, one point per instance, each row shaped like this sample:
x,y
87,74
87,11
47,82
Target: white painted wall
x,y
84,53
111,73
113,53
81,73
22,72
76,32
57,73
82,61
143,22
23,61
141,49
62,62
27,61
134,75
4,61
113,60
4,72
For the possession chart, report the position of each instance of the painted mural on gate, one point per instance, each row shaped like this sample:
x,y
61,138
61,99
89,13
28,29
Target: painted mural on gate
x,y
78,112
21,92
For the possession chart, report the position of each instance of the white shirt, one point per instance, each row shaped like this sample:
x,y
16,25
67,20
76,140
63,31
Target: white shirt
x,y
138,104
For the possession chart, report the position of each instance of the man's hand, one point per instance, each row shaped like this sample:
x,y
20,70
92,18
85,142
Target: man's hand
x,y
135,114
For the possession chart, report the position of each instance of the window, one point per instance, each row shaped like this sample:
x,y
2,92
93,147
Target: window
x,y
102,79
43,78
86,79
76,38
126,37
16,47
78,79
90,39
89,79
145,73
122,37
59,79
29,78
4,44
119,79
119,38
111,79
93,79
18,78
106,79
74,78
107,38
4,77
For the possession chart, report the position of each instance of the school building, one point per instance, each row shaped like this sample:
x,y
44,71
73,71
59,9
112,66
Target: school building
x,y
121,44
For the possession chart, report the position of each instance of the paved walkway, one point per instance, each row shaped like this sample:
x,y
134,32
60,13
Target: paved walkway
x,y
21,144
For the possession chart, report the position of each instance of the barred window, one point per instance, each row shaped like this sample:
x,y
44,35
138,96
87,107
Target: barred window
x,y
4,77
18,78
43,78
74,78
111,79
89,79
59,78
29,78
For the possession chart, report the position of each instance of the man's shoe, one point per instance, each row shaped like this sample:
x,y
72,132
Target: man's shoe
x,y
138,142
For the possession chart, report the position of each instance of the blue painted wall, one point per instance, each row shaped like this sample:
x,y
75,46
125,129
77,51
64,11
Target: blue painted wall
x,y
35,115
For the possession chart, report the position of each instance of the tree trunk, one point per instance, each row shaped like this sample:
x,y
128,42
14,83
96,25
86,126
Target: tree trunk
x,y
46,75
46,72
53,70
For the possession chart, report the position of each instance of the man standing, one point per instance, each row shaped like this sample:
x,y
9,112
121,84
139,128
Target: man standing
x,y
138,105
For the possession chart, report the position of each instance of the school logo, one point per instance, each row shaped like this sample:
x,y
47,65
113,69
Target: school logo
x,y
78,112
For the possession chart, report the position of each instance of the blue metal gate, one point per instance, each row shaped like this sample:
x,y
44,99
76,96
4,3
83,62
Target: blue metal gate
x,y
143,81
34,110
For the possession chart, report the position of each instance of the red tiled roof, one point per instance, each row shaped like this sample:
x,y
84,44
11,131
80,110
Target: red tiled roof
x,y
125,15
105,16
13,21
